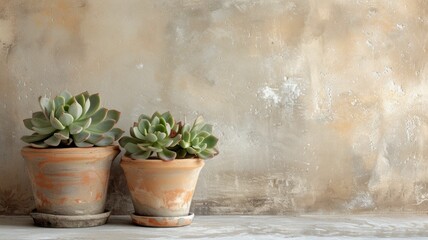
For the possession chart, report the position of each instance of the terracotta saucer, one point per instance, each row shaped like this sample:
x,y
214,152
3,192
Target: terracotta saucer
x,y
69,221
150,221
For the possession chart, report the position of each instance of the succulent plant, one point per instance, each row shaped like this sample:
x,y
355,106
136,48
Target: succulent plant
x,y
197,139
69,121
160,135
156,134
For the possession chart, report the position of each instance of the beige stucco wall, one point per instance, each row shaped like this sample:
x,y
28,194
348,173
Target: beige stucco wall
x,y
320,105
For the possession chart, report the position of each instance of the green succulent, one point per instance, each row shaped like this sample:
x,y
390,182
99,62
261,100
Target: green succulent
x,y
160,135
69,121
197,139
152,135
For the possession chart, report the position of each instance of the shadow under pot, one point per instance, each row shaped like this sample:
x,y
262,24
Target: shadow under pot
x,y
162,191
69,184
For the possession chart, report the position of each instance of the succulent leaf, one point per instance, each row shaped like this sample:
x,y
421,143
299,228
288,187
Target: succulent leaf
x,y
143,147
66,95
135,132
184,144
44,130
115,133
105,141
55,122
132,147
99,116
85,123
186,136
80,99
113,114
160,128
191,150
81,137
155,121
59,111
38,115
207,128
59,101
151,137
34,138
176,140
87,106
168,118
40,122
186,128
95,104
28,124
155,149
166,142
44,104
167,154
203,134
211,141
63,134
52,141
160,136
198,121
125,140
143,124
66,119
94,138
205,154
143,116
102,127
75,110
75,128
39,145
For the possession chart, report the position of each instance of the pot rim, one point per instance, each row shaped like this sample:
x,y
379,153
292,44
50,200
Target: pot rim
x,y
159,163
29,149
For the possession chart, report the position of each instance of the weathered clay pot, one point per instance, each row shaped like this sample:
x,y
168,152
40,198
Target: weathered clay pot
x,y
70,181
162,188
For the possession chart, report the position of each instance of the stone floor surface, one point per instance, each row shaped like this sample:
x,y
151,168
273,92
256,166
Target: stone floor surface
x,y
233,227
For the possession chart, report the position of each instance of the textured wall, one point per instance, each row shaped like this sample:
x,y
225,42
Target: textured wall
x,y
320,105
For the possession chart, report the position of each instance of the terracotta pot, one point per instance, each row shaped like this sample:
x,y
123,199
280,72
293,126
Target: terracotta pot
x,y
70,181
162,188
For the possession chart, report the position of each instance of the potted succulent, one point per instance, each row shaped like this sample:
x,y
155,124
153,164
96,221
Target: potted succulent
x,y
69,159
162,188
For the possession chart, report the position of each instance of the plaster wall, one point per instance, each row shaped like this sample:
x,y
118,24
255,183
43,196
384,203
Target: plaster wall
x,y
320,105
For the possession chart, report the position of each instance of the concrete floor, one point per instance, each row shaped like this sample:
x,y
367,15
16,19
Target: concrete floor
x,y
233,227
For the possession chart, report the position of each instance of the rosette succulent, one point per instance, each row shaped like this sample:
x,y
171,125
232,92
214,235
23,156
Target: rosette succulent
x,y
197,139
72,121
160,135
156,134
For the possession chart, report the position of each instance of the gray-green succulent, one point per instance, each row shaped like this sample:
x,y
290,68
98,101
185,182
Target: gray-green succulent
x,y
72,121
197,139
160,135
156,134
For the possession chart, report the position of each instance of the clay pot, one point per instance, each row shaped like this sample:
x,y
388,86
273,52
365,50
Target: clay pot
x,y
162,188
70,181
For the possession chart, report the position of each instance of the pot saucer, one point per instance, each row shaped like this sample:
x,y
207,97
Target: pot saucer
x,y
151,221
69,221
